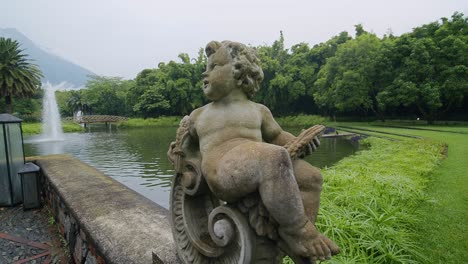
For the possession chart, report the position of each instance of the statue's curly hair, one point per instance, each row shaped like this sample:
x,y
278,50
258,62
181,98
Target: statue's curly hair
x,y
246,64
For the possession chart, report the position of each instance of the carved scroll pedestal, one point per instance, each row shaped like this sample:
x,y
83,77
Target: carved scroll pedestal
x,y
208,230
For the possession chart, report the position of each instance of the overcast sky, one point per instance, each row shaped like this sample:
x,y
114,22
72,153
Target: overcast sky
x,y
123,37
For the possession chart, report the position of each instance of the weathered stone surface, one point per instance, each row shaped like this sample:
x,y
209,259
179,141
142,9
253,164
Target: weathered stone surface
x,y
124,226
248,162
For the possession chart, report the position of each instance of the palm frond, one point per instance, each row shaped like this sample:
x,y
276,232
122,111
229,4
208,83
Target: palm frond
x,y
18,76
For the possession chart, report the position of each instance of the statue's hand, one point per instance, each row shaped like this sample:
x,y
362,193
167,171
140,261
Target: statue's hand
x,y
310,147
306,143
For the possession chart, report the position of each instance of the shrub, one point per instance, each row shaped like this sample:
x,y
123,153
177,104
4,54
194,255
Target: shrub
x,y
301,120
165,121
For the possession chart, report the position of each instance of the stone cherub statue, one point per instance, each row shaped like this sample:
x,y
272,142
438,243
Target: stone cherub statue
x,y
233,161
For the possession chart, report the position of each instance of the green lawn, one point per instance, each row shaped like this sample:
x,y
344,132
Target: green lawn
x,y
442,231
36,128
163,121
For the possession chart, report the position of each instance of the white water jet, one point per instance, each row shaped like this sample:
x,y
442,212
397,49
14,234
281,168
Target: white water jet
x,y
51,122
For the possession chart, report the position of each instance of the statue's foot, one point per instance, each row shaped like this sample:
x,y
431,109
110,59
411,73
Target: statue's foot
x,y
306,241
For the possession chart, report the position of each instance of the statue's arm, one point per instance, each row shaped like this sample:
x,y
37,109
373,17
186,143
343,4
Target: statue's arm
x,y
272,131
301,146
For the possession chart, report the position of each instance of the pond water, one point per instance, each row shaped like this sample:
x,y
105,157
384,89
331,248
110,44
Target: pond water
x,y
137,157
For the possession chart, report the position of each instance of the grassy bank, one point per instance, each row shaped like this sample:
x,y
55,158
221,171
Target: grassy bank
x,y
370,199
164,121
36,128
434,216
443,217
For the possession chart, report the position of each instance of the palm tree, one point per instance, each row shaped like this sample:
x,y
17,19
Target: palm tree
x,y
18,77
74,102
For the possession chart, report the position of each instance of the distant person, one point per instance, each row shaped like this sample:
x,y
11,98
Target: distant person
x,y
79,116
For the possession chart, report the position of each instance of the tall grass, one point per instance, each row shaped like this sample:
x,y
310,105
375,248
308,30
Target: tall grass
x,y
369,201
443,219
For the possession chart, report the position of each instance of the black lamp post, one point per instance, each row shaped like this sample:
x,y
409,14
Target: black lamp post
x,y
11,159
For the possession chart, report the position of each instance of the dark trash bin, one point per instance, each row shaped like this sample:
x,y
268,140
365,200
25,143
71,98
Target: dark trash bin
x,y
31,186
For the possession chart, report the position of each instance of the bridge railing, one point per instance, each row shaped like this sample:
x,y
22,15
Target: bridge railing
x,y
87,119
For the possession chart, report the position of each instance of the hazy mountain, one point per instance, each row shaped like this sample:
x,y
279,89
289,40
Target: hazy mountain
x,y
54,68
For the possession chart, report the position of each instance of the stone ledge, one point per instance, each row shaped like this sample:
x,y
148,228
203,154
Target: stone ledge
x,y
124,226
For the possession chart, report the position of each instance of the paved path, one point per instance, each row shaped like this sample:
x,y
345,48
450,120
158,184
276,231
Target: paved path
x,y
26,234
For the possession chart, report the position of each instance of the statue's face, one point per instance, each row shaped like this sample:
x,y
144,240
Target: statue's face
x,y
218,79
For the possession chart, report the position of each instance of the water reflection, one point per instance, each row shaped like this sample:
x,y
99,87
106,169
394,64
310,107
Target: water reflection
x,y
331,150
137,157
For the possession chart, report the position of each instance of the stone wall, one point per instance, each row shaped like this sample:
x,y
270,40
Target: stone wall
x,y
102,220
81,247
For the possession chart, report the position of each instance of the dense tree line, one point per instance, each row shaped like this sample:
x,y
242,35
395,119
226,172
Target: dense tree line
x,y
422,73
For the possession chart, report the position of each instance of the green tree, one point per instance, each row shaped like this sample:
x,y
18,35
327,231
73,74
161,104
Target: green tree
x,y
414,82
152,102
452,66
174,82
274,81
74,102
347,82
18,76
321,52
62,99
29,109
359,30
430,70
286,76
106,95
290,74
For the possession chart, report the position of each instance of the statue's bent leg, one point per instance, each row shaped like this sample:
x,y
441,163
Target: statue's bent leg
x,y
265,168
268,168
310,182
